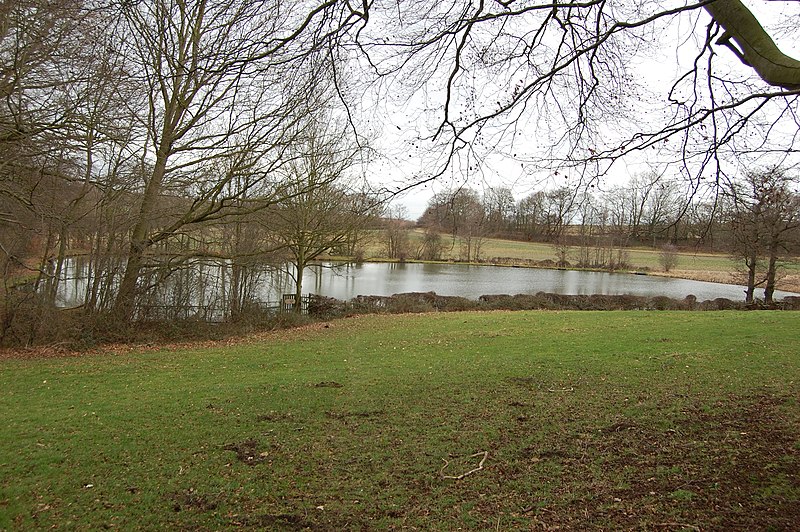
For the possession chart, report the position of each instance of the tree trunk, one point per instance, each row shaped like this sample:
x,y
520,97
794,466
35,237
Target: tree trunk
x,y
61,257
124,304
298,292
769,288
751,280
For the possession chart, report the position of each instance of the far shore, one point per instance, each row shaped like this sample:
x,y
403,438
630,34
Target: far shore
x,y
788,283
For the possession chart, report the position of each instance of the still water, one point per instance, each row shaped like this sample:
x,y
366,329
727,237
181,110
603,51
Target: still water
x,y
345,281
348,281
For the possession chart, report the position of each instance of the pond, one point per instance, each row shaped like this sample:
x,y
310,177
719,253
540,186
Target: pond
x,y
205,283
384,279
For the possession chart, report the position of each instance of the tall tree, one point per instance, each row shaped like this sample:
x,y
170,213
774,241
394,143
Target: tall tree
x,y
225,79
66,134
764,214
498,202
530,215
320,211
35,72
460,213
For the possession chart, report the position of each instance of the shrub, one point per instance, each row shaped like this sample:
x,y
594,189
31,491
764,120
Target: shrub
x,y
791,303
664,303
454,304
411,302
668,257
29,319
720,303
321,306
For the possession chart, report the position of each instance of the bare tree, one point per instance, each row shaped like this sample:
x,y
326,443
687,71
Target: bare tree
x,y
398,244
668,257
764,215
560,208
65,129
499,204
32,112
320,211
530,212
431,247
461,213
225,80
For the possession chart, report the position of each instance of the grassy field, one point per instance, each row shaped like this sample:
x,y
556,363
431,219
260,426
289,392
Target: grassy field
x,y
537,251
615,420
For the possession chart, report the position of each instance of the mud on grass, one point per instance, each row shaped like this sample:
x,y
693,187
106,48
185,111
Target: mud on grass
x,y
680,463
728,464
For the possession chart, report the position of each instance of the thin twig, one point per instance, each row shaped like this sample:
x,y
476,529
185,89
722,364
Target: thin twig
x,y
459,477
682,525
570,389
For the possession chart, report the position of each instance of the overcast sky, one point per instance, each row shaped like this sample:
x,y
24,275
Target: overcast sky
x,y
401,123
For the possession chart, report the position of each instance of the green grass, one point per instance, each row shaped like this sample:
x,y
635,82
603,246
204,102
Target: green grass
x,y
610,420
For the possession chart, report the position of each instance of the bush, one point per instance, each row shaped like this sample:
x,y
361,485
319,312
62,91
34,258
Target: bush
x,y
720,303
668,257
664,303
618,302
325,307
29,319
791,303
414,302
454,304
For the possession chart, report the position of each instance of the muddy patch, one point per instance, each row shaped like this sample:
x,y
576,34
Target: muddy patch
x,y
272,416
191,500
274,522
328,384
732,464
359,414
524,382
248,452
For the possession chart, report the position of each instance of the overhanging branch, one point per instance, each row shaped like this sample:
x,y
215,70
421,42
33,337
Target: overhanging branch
x,y
755,47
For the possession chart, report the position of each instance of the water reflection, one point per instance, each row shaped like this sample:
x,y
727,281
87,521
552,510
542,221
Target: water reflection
x,y
345,281
348,281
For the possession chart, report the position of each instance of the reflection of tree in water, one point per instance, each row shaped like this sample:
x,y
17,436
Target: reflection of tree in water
x,y
205,288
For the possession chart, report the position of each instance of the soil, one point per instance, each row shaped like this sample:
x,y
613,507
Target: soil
x,y
248,452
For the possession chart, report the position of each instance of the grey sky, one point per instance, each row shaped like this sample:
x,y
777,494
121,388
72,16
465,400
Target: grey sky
x,y
509,163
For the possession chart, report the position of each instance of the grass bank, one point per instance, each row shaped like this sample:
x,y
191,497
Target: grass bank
x,y
644,258
611,420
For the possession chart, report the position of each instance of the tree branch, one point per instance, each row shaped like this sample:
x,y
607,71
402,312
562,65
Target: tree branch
x,y
755,47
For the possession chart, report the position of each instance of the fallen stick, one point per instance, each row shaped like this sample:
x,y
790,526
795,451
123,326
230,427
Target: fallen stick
x,y
459,477
682,525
